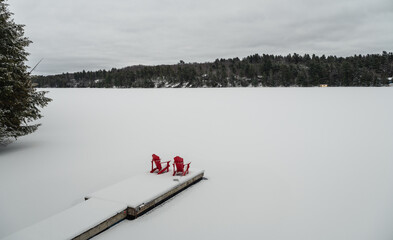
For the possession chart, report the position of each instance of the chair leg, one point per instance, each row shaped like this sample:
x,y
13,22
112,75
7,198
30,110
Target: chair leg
x,y
163,170
186,170
152,167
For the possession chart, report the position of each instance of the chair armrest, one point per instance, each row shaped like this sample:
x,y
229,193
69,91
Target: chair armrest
x,y
165,162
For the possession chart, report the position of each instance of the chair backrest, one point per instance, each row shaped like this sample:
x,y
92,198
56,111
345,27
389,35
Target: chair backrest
x,y
157,161
179,163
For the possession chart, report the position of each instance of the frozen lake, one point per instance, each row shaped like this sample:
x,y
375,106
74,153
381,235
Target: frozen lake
x,y
281,163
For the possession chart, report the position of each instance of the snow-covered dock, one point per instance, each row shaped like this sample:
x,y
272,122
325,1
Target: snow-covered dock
x,y
102,209
143,192
82,221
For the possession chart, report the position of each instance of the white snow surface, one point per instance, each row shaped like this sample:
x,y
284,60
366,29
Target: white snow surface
x,y
143,188
71,222
281,163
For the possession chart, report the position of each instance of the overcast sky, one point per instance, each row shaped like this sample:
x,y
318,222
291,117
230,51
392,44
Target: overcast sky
x,y
72,35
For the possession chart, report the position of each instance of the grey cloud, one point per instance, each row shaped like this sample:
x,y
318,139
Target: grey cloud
x,y
85,34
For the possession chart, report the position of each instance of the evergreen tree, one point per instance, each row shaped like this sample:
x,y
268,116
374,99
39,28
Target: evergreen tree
x,y
19,101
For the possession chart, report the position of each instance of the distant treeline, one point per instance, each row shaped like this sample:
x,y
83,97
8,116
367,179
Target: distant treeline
x,y
255,70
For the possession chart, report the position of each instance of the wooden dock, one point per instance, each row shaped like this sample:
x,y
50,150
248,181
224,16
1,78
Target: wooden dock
x,y
103,209
143,192
81,221
134,212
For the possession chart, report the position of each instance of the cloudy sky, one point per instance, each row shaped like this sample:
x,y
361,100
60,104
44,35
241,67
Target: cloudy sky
x,y
74,35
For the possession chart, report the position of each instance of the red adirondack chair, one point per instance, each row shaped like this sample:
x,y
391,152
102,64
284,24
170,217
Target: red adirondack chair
x,y
180,167
157,161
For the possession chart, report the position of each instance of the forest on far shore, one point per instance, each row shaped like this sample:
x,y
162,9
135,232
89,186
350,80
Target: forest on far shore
x,y
252,71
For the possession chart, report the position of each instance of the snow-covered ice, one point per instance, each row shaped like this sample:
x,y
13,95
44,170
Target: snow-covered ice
x,y
281,163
